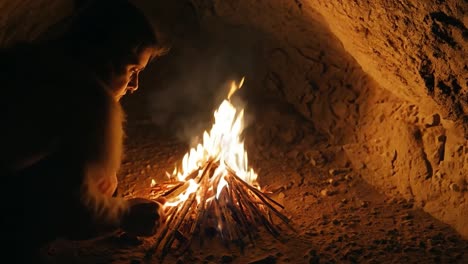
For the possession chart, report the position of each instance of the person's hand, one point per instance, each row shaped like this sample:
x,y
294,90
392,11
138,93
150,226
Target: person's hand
x,y
107,185
143,218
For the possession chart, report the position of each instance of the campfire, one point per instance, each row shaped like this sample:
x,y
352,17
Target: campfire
x,y
215,193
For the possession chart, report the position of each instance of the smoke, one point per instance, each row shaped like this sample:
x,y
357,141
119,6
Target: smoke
x,y
194,78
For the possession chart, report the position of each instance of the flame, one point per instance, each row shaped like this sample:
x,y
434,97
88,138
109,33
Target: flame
x,y
222,144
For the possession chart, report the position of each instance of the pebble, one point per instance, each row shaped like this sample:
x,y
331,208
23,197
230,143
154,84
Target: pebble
x,y
326,192
333,182
313,162
281,195
454,187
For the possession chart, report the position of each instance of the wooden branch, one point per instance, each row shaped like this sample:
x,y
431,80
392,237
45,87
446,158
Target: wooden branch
x,y
237,213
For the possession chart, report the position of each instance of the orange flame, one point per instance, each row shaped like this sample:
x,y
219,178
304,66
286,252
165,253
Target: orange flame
x,y
221,144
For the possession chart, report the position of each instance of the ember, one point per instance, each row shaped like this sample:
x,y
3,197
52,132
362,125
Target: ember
x,y
215,192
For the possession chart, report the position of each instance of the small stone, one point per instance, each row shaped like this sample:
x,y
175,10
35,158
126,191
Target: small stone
x,y
454,187
325,192
333,182
340,109
210,257
313,162
438,176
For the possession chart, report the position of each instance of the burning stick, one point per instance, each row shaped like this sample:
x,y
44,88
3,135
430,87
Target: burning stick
x,y
237,213
216,191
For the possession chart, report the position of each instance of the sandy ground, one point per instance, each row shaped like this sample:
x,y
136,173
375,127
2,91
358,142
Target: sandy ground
x,y
339,218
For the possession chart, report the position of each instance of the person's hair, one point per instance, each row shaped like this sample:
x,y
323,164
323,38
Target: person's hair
x,y
110,32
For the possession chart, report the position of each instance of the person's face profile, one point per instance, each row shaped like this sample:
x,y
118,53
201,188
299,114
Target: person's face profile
x,y
127,79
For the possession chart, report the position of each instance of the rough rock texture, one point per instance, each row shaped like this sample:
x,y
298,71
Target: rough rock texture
x,y
386,81
416,49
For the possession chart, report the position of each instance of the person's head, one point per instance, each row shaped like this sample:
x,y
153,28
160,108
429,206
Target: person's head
x,y
116,41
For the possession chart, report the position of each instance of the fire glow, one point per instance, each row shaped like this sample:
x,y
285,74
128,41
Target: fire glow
x,y
215,189
223,145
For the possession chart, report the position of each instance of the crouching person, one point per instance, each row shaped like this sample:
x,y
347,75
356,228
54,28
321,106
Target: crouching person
x,y
62,133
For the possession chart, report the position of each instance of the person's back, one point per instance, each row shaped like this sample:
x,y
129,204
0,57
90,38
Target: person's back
x,y
62,136
52,111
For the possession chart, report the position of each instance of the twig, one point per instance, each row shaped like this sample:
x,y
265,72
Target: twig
x,y
237,212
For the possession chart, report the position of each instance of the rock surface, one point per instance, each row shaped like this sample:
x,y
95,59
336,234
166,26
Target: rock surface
x,y
386,80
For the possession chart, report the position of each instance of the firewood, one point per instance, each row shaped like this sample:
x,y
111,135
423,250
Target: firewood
x,y
238,212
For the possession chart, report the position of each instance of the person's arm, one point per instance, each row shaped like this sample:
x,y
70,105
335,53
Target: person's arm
x,y
100,147
96,141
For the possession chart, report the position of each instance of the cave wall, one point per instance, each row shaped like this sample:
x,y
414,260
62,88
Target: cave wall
x,y
385,80
416,49
373,75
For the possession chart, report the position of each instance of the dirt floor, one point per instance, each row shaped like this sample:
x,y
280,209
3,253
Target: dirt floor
x,y
339,218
